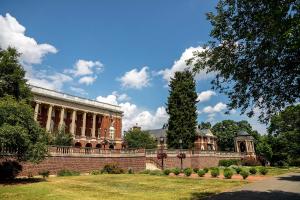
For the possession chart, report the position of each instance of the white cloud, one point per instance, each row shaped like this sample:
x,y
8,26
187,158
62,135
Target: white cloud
x,y
180,65
111,99
88,80
136,79
78,90
85,67
50,81
219,107
121,97
13,34
205,95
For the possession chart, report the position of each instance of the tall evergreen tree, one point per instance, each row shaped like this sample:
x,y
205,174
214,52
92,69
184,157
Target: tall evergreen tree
x,y
181,108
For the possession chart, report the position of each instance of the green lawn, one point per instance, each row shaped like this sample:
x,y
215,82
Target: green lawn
x,y
124,186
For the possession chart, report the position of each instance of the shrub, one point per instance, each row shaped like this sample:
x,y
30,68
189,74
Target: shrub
x,y
205,169
176,171
295,162
196,170
147,171
130,171
66,172
201,173
9,169
228,162
156,172
95,172
228,174
167,172
215,172
187,171
263,170
44,173
244,174
252,170
30,175
238,170
112,168
250,161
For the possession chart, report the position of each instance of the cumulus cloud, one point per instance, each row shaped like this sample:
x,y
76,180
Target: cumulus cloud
x,y
133,114
13,34
85,67
78,90
219,107
50,81
180,65
205,95
88,80
136,79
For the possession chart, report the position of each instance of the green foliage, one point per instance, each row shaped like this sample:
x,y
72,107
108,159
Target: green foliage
x,y
254,46
284,135
112,168
181,108
9,169
263,170
167,171
156,172
244,174
252,170
19,133
44,173
263,148
66,172
250,161
238,170
140,139
176,171
147,171
205,169
95,172
196,170
12,81
187,171
227,173
201,173
63,138
130,171
215,172
204,125
228,162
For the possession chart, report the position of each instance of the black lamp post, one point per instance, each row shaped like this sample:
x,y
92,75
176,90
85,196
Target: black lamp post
x,y
181,155
162,155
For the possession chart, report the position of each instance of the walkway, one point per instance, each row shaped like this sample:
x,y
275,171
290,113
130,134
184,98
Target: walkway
x,y
283,187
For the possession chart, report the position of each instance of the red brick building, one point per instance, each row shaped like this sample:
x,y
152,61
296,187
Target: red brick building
x,y
92,123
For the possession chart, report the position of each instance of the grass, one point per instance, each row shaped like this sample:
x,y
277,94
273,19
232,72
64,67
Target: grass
x,y
123,186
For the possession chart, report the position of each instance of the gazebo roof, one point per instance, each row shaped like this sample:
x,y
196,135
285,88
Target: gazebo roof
x,y
243,133
204,132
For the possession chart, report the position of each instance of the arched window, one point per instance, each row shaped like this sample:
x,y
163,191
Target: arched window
x,y
77,144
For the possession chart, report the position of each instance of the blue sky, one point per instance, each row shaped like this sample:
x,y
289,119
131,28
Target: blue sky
x,y
121,52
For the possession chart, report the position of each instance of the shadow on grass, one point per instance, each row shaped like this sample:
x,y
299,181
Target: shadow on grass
x,y
17,181
249,195
290,178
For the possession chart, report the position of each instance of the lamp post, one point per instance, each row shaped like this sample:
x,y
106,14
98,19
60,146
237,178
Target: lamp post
x,y
161,155
181,155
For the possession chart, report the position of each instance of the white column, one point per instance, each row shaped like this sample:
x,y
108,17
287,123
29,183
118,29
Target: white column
x,y
36,110
83,125
61,119
49,118
73,123
94,126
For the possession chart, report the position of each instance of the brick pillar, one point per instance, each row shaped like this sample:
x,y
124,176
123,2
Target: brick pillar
x,y
49,116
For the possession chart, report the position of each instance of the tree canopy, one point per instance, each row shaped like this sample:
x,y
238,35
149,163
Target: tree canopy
x,y
254,51
140,139
181,108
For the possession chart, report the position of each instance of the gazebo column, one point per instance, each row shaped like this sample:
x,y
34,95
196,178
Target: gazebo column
x,y
83,125
49,116
94,126
36,110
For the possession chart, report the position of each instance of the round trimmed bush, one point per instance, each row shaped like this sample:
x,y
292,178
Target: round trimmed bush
x,y
238,170
244,174
167,172
201,173
252,170
196,170
176,171
205,169
263,170
187,171
215,172
228,174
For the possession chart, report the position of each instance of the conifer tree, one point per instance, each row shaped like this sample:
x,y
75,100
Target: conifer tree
x,y
181,108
